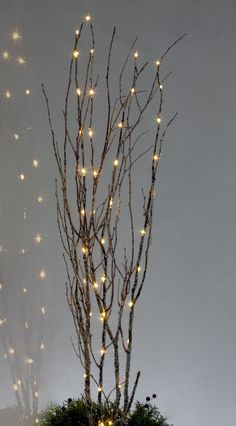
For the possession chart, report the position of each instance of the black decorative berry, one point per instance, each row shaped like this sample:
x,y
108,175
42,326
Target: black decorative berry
x,y
146,406
63,408
154,395
148,398
69,400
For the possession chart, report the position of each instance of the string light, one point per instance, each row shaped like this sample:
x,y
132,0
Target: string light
x,y
40,199
22,177
25,214
92,51
29,361
76,54
16,36
37,420
20,60
110,422
90,133
95,174
15,387
42,345
139,269
11,351
156,157
8,94
131,303
38,238
120,125
158,119
23,251
158,63
132,91
78,91
84,249
87,18
83,171
16,136
82,212
42,274
102,351
99,388
19,382
24,290
142,232
103,242
103,316
5,55
111,203
103,278
136,54
2,321
77,32
91,92
36,394
95,284
27,92
26,325
35,163
42,310
116,162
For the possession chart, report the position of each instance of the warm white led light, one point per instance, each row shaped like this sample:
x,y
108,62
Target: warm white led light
x,y
35,163
76,54
22,177
91,92
7,94
16,36
88,18
20,60
16,136
42,274
38,238
90,133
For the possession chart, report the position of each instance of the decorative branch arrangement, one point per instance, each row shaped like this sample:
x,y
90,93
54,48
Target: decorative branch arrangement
x,y
105,250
